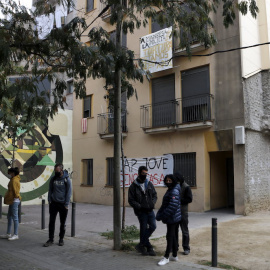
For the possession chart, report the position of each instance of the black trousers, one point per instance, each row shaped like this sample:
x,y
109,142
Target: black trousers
x,y
172,240
185,231
54,208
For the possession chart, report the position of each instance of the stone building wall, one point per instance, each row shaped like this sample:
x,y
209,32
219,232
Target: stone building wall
x,y
257,146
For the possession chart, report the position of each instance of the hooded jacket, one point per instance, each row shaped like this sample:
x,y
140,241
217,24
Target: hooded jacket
x,y
13,191
142,201
60,189
170,210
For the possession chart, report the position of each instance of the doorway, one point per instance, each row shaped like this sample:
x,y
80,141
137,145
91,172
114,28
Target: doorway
x,y
221,180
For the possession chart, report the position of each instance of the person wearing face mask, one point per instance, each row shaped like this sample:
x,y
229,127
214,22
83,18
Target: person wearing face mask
x,y
13,199
58,197
170,214
142,197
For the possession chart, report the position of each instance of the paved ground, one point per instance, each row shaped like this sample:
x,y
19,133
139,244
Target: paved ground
x,y
87,250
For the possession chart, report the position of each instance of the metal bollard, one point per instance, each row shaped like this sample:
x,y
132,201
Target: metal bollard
x,y
0,206
43,215
73,219
20,212
214,242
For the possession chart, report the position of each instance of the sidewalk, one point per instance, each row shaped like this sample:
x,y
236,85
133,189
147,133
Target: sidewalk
x,y
87,250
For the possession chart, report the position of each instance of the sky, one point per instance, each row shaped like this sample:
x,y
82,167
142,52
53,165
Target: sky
x,y
27,3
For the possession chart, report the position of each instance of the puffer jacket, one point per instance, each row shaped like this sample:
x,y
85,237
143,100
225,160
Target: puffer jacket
x,y
13,191
170,210
142,201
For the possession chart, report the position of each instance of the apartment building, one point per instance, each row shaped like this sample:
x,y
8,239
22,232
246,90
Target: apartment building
x,y
208,115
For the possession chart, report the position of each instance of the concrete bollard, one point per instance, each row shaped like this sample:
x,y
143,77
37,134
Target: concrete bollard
x,y
214,242
43,215
73,219
0,206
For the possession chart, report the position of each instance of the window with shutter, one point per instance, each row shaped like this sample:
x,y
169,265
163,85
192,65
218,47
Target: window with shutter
x,y
163,101
89,5
87,178
87,106
196,94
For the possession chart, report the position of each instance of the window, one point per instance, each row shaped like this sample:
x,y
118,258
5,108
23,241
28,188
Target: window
x,y
89,5
155,26
70,87
163,101
186,164
87,172
87,106
109,171
196,94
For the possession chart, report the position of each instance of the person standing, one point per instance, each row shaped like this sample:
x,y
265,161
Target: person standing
x,y
186,198
142,197
12,199
58,197
170,214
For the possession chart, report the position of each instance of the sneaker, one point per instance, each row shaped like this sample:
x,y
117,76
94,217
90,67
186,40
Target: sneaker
x,y
174,259
13,237
141,249
186,252
61,242
151,251
163,261
48,243
5,236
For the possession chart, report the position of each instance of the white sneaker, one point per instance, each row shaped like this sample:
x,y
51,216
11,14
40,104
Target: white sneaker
x,y
13,237
174,259
5,236
163,261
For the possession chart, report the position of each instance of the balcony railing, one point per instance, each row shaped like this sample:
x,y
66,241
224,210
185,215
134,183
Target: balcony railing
x,y
105,123
177,112
107,15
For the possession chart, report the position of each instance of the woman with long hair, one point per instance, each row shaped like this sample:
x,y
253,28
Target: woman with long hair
x,y
170,214
13,199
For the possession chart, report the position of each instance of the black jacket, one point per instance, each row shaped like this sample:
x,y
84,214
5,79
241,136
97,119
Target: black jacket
x,y
170,211
142,201
186,197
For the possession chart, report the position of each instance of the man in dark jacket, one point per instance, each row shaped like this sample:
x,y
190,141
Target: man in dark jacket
x,y
186,198
142,197
58,197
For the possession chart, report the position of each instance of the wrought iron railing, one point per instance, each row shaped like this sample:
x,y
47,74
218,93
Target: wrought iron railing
x,y
105,123
176,112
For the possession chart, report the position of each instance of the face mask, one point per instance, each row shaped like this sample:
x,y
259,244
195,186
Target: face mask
x,y
57,174
9,176
142,178
169,185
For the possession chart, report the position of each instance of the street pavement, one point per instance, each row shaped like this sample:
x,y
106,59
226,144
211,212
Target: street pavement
x,y
88,249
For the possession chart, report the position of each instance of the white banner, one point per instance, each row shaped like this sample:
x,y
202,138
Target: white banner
x,y
157,47
157,166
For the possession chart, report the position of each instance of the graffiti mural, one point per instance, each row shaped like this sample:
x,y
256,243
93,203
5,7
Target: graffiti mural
x,y
35,155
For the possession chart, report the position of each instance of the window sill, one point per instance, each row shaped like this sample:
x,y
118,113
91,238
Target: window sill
x,y
82,185
87,12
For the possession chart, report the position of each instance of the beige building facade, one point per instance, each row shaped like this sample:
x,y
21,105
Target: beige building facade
x,y
197,111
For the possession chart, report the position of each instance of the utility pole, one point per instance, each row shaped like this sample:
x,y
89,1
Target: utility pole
x,y
117,139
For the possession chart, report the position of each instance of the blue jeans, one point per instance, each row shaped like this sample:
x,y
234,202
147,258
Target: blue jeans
x,y
13,215
147,227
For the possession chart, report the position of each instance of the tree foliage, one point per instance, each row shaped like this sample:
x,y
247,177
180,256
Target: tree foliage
x,y
24,55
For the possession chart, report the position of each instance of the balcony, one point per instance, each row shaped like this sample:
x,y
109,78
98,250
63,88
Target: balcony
x,y
107,15
180,114
105,125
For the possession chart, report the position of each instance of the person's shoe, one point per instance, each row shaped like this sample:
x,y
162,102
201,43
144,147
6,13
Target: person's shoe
x,y
61,242
174,259
13,237
5,236
48,243
186,252
141,249
151,251
163,261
